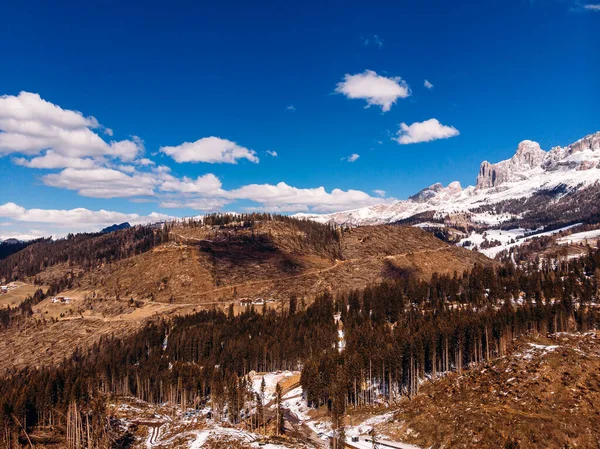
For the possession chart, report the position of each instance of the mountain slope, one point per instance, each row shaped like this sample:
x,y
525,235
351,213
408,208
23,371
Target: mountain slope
x,y
517,191
273,259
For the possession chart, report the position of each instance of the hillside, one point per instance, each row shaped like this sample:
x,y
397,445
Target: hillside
x,y
104,287
269,260
543,394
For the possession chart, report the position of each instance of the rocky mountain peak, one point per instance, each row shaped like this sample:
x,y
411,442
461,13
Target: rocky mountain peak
x,y
529,154
434,190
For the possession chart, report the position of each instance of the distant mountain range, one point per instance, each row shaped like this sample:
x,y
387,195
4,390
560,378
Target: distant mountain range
x,y
115,227
534,188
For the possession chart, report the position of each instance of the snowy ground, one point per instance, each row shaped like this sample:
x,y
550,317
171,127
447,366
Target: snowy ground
x,y
295,403
536,350
580,237
365,441
271,381
506,237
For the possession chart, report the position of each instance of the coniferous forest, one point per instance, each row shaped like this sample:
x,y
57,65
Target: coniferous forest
x,y
396,334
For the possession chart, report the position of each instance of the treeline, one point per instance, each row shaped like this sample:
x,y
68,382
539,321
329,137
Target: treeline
x,y
12,246
84,250
252,232
311,228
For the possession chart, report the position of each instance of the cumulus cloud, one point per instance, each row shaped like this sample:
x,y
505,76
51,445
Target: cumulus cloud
x,y
144,162
30,125
375,89
352,158
102,182
272,153
203,204
428,85
51,160
380,193
208,184
283,197
425,131
211,150
291,108
78,218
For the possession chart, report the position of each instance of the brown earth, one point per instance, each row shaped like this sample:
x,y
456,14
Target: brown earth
x,y
539,396
202,267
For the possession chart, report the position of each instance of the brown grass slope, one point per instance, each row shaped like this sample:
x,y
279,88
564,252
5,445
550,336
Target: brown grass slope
x,y
274,260
545,394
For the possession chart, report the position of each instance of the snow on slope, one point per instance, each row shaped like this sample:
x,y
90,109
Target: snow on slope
x,y
580,237
508,238
271,381
529,171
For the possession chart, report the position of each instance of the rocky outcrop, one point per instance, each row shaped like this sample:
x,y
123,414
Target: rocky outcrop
x,y
529,156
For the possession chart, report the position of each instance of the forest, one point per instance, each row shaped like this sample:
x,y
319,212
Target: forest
x,y
83,250
396,334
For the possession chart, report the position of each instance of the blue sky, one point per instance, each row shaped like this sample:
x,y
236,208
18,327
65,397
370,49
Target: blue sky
x,y
502,72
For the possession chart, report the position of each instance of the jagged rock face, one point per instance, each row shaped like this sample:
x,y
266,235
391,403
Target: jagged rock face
x,y
529,155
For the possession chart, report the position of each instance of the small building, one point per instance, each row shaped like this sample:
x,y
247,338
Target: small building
x,y
3,288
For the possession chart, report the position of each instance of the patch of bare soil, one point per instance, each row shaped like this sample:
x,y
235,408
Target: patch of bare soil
x,y
545,394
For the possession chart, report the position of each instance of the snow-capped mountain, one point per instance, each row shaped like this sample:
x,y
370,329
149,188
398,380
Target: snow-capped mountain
x,y
534,186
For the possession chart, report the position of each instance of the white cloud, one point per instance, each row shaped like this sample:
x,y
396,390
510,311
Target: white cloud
x,y
145,162
380,193
208,184
51,159
210,149
592,6
375,89
425,131
352,158
30,125
291,108
283,197
102,182
203,204
272,153
428,85
75,219
20,235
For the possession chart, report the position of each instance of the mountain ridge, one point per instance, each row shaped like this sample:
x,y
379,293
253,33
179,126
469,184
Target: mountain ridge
x,y
556,175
